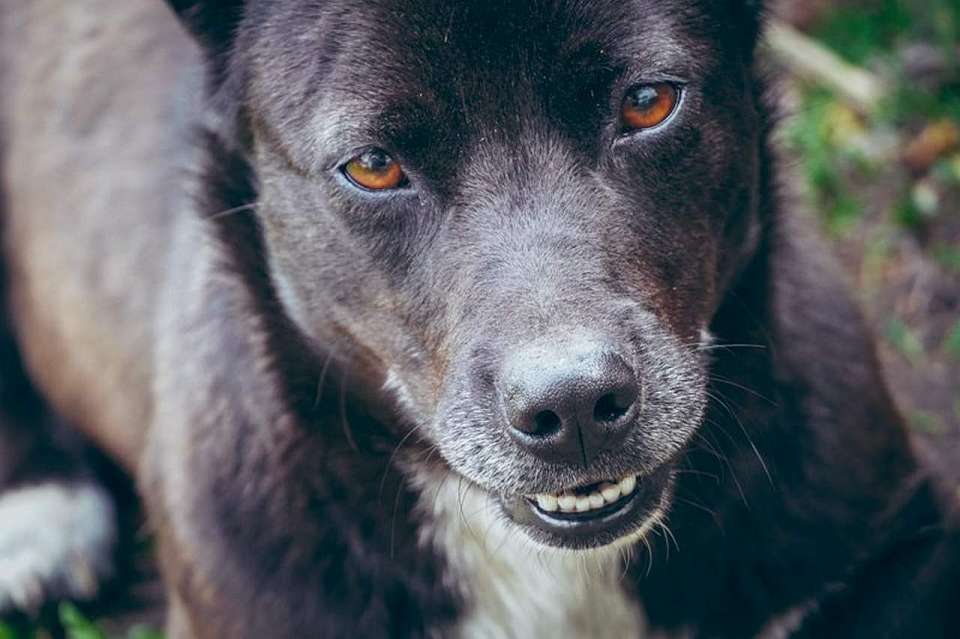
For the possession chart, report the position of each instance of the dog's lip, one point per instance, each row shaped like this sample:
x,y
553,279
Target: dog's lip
x,y
598,526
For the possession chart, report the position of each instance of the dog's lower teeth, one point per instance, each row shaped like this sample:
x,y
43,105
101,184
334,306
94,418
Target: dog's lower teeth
x,y
607,493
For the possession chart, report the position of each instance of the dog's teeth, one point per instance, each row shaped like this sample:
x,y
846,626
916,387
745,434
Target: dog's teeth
x,y
547,503
583,504
567,502
610,492
570,502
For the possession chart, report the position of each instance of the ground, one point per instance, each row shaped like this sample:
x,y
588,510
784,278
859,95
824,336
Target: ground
x,y
883,180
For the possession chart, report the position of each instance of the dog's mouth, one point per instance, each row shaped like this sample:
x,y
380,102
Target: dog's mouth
x,y
593,515
584,503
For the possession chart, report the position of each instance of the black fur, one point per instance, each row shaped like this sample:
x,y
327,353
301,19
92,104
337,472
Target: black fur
x,y
302,486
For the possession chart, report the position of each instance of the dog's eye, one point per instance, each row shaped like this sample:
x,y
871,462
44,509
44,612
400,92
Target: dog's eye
x,y
375,170
648,105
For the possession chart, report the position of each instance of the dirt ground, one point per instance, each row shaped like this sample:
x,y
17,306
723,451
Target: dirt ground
x,y
913,302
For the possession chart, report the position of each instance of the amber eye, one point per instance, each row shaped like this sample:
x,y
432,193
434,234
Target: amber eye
x,y
375,170
648,105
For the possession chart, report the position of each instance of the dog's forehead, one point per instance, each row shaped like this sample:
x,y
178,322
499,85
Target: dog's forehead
x,y
395,61
494,41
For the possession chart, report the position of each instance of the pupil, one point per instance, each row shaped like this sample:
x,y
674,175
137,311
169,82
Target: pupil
x,y
376,161
644,98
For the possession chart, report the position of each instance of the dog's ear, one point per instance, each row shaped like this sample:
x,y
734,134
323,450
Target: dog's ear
x,y
748,18
213,23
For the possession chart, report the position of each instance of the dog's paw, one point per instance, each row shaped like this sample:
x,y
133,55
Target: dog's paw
x,y
56,542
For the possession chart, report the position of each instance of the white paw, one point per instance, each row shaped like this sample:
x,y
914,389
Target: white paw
x,y
56,542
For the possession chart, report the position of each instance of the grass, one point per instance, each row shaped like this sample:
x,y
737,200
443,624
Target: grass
x,y
77,626
71,624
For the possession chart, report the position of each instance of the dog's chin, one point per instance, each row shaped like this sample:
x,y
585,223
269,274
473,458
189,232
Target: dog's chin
x,y
611,513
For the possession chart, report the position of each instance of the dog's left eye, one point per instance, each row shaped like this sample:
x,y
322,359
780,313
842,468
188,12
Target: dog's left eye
x,y
648,105
375,170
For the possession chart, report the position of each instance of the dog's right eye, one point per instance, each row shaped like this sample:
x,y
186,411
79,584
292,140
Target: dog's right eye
x,y
375,170
649,105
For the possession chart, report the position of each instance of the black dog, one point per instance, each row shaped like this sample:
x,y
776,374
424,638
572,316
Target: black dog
x,y
478,319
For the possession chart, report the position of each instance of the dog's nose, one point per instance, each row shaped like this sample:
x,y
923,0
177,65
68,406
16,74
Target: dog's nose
x,y
568,402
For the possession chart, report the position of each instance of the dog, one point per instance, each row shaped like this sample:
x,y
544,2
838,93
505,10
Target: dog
x,y
439,319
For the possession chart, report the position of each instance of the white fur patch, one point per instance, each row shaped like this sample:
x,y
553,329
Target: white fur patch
x,y
517,588
56,541
785,624
706,338
394,385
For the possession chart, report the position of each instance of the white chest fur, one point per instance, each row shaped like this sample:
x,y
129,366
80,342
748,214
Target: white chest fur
x,y
514,587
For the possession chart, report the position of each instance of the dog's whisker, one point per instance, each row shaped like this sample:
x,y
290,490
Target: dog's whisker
x,y
393,456
252,206
393,517
342,410
463,518
729,382
695,504
323,378
646,543
697,473
703,440
712,347
743,429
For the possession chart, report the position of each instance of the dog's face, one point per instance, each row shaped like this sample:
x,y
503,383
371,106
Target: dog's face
x,y
526,212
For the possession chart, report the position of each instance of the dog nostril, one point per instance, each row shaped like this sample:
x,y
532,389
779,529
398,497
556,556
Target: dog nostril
x,y
568,401
546,422
610,408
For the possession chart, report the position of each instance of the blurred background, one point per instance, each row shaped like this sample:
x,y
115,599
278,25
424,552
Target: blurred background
x,y
871,90
872,93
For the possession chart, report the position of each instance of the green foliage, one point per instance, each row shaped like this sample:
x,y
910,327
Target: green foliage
x,y
7,632
926,422
905,340
829,140
908,103
856,33
942,23
859,31
952,343
76,625
820,134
